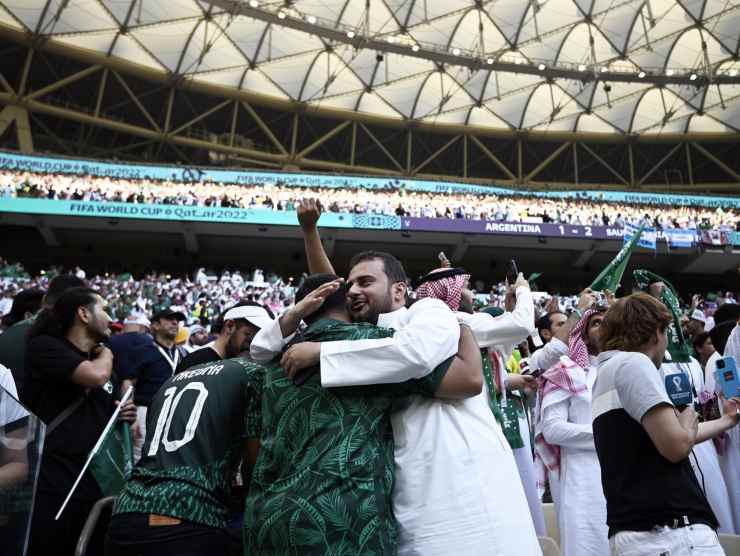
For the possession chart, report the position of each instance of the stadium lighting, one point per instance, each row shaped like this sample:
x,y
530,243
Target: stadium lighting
x,y
604,69
391,39
641,74
581,67
541,67
733,73
351,34
669,72
456,51
415,48
253,3
692,77
518,61
282,15
489,61
311,19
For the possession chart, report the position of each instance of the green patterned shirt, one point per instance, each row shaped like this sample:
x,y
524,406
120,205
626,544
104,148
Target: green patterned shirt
x,y
323,480
196,427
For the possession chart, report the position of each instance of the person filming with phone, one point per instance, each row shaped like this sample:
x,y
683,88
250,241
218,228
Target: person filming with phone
x,y
655,503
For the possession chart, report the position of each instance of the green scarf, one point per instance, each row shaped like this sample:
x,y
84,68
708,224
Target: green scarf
x,y
611,276
678,347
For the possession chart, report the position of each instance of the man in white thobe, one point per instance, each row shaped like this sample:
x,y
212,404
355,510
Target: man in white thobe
x,y
454,491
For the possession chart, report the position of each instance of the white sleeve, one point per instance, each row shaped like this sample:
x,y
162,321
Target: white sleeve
x,y
7,382
548,355
506,329
558,431
268,343
430,336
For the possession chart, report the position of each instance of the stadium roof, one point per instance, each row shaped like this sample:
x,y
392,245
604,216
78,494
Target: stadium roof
x,y
597,66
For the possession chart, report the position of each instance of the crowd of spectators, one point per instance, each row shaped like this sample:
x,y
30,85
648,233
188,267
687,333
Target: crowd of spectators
x,y
389,201
201,296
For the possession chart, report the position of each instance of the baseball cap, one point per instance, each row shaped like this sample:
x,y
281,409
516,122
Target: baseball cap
x,y
698,314
137,318
196,328
168,313
257,316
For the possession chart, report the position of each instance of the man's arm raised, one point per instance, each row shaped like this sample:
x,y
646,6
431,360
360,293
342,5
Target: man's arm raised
x,y
309,211
269,342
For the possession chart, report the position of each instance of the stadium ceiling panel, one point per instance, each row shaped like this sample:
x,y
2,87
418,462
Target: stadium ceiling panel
x,y
601,66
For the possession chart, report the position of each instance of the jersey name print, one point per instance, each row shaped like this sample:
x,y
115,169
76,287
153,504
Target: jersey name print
x,y
195,433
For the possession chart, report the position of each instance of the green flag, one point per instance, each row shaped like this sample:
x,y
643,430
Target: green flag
x,y
678,347
113,462
611,276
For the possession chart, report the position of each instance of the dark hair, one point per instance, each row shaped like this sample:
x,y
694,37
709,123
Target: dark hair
x,y
334,301
727,311
699,340
27,301
391,265
720,334
59,285
631,322
57,320
545,321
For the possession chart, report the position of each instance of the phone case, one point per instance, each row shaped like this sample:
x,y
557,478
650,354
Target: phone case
x,y
727,378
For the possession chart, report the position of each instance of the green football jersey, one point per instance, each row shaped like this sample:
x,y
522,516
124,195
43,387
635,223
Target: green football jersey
x,y
323,480
196,427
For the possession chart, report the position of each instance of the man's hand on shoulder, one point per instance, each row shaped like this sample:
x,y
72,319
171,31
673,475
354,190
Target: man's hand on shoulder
x,y
300,356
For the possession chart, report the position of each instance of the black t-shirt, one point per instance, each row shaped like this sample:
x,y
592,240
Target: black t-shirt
x,y
49,390
642,488
198,357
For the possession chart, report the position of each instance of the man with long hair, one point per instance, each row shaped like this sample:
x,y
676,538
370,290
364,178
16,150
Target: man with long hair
x,y
70,387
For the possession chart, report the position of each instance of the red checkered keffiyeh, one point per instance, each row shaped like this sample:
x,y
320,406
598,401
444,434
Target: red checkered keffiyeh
x,y
577,348
448,289
558,383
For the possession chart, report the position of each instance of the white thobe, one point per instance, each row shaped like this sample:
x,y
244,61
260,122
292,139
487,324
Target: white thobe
x,y
577,490
548,355
705,460
499,334
454,492
729,460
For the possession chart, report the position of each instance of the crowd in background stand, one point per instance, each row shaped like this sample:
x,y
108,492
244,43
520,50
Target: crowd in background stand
x,y
392,200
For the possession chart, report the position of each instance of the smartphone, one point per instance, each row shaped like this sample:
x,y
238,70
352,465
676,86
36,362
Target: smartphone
x,y
512,272
727,378
443,259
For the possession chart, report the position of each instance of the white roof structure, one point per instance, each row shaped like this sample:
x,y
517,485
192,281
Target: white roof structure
x,y
595,66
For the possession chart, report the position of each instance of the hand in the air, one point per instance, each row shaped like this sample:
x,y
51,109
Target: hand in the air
x,y
309,211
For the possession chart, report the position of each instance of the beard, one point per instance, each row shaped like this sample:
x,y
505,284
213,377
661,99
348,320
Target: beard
x,y
97,330
233,349
466,306
370,311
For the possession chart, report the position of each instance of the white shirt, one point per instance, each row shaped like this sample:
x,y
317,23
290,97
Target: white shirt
x,y
548,355
10,409
426,335
507,329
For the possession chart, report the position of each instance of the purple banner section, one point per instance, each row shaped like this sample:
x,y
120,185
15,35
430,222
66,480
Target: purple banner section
x,y
510,228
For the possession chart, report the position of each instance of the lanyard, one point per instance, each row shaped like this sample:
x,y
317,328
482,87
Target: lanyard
x,y
173,362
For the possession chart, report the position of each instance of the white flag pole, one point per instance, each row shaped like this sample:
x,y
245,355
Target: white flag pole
x,y
111,422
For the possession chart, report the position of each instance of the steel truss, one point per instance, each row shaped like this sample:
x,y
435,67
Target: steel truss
x,y
83,104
